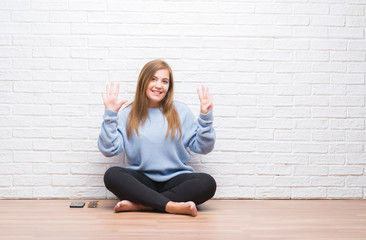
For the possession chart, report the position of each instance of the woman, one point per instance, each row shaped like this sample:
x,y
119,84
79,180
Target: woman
x,y
155,132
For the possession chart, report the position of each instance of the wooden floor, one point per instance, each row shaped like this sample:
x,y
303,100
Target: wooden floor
x,y
217,219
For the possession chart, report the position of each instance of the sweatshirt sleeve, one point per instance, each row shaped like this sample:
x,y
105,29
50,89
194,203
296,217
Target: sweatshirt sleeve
x,y
201,133
110,141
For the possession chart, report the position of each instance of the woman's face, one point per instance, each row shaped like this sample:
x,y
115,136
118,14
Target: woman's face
x,y
158,87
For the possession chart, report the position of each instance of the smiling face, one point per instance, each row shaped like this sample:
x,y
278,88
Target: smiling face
x,y
158,87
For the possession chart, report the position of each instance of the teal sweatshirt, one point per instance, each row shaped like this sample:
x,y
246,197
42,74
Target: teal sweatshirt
x,y
160,158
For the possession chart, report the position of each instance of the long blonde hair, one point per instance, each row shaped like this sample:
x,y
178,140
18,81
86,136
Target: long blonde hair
x,y
139,107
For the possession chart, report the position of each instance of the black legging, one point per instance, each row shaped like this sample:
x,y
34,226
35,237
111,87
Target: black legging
x,y
134,186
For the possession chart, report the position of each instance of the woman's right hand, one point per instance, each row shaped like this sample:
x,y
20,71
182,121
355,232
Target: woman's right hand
x,y
110,99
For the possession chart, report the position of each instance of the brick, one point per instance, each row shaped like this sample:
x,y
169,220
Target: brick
x,y
250,181
292,135
308,193
285,181
32,180
31,157
273,193
345,170
343,124
6,156
329,159
11,168
69,181
16,193
6,181
344,193
310,148
345,148
310,171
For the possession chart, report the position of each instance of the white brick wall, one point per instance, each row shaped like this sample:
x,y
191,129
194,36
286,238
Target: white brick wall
x,y
288,79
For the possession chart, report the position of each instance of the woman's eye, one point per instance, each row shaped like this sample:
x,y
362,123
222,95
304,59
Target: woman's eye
x,y
166,82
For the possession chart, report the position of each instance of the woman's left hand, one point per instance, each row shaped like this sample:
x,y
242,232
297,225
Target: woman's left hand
x,y
205,99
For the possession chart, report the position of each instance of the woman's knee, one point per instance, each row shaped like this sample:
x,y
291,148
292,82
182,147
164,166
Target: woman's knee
x,y
111,174
209,183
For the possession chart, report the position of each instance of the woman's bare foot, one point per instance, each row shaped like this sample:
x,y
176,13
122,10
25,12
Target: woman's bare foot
x,y
126,206
188,208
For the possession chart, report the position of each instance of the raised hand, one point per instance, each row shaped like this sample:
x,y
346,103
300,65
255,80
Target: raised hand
x,y
110,99
205,99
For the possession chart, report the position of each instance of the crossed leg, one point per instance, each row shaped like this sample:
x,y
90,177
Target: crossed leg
x,y
177,195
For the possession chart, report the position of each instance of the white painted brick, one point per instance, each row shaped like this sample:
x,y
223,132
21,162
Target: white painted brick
x,y
30,17
308,193
16,193
311,101
68,157
275,101
6,156
356,135
6,181
347,124
51,168
73,64
275,170
5,110
274,147
345,193
285,181
260,112
52,145
311,171
51,28
357,90
15,28
328,45
235,146
346,148
31,157
51,192
292,67
89,193
327,21
311,56
357,67
11,168
255,134
329,112
69,180
304,8
31,110
15,144
356,112
310,148
31,87
359,158
291,90
289,159
51,52
330,135
346,10
327,159
31,133
357,21
347,79
298,112
250,181
275,123
292,135
67,17
51,75
273,193
236,169
328,181
291,20
253,158
76,110
32,180
96,181
311,78
84,145
345,170
347,56
354,181
356,45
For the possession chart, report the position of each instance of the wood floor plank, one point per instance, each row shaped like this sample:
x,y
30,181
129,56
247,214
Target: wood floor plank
x,y
217,219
